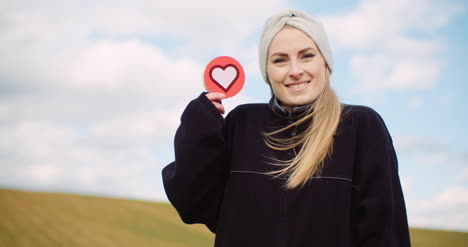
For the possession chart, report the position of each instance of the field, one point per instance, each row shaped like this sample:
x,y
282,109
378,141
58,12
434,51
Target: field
x,y
49,220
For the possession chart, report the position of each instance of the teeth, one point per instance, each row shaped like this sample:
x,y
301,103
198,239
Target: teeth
x,y
297,85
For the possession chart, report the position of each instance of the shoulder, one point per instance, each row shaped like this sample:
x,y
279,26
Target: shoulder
x,y
245,117
365,119
358,111
248,110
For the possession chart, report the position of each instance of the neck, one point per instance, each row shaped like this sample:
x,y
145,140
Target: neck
x,y
291,109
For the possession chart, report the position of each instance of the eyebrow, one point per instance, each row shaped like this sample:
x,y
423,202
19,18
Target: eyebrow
x,y
285,54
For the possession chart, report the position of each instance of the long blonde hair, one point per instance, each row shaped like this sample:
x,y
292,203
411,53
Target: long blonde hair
x,y
316,140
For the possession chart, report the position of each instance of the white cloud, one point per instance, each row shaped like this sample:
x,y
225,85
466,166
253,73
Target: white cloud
x,y
44,173
463,176
385,71
206,24
435,158
385,23
412,143
448,210
385,54
133,67
429,151
442,158
59,158
93,91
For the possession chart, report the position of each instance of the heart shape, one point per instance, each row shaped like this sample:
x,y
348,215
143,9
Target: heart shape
x,y
224,76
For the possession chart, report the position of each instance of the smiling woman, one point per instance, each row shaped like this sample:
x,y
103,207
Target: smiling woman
x,y
298,75
302,170
296,68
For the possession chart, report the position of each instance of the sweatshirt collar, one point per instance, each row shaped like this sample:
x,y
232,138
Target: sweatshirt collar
x,y
279,110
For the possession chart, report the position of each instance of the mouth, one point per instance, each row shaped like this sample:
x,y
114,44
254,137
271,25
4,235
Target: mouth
x,y
298,85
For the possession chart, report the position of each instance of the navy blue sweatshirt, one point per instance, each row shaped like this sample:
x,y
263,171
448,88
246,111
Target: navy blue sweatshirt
x,y
218,179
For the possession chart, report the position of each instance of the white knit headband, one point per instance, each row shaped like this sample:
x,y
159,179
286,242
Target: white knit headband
x,y
300,20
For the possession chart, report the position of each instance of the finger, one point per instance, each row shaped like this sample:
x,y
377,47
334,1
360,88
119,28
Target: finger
x,y
215,96
219,107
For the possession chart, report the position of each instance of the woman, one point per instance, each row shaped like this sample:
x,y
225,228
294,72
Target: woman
x,y
303,170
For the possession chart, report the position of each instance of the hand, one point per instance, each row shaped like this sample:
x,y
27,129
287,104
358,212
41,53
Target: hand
x,y
216,98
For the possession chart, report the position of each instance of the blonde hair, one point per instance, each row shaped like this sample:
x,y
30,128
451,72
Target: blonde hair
x,y
316,140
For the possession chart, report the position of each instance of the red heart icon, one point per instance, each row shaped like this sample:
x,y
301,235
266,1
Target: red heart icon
x,y
224,75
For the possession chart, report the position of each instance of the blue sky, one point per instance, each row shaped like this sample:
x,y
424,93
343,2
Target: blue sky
x,y
91,92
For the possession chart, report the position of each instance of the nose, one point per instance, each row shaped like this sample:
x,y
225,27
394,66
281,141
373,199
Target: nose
x,y
295,70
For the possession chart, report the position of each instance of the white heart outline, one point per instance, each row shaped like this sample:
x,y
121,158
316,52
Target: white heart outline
x,y
225,83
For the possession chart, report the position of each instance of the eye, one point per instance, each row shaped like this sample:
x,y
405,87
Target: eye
x,y
279,60
309,55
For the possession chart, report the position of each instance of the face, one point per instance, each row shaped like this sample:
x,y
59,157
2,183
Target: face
x,y
295,68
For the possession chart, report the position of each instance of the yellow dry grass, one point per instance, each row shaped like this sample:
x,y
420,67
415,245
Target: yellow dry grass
x,y
46,219
50,220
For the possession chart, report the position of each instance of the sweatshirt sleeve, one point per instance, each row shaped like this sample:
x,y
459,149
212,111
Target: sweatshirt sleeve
x,y
194,182
382,219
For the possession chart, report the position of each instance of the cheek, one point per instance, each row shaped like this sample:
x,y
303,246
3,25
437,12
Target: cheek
x,y
275,87
318,80
318,72
275,74
321,81
320,87
321,84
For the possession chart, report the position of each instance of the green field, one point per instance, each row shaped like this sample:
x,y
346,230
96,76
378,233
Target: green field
x,y
49,220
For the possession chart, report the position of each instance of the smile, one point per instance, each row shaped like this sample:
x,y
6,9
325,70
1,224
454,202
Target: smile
x,y
298,85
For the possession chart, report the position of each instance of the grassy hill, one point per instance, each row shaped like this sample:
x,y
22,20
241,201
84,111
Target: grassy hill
x,y
46,219
49,220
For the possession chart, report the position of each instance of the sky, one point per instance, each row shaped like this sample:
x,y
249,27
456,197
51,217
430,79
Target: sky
x,y
91,92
